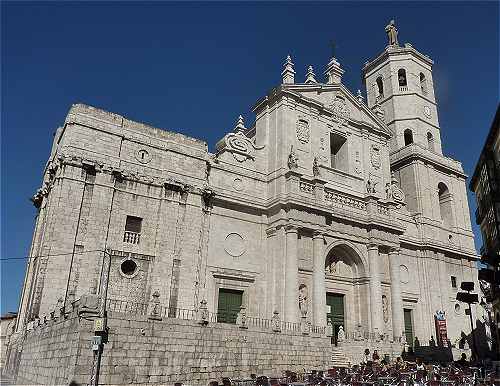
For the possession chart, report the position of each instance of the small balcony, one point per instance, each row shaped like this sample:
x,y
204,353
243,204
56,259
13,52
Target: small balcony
x,y
403,88
131,237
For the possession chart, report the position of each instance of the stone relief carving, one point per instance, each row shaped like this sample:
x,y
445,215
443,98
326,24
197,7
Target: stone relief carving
x,y
303,132
340,110
393,191
234,245
385,309
240,146
357,163
404,274
293,159
331,268
143,156
303,299
238,184
375,156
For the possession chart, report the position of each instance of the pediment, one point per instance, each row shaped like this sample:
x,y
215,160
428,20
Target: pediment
x,y
341,103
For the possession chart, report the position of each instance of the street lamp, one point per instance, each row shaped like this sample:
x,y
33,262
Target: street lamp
x,y
467,297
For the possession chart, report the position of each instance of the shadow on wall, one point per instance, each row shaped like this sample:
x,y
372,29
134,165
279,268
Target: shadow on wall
x,y
484,337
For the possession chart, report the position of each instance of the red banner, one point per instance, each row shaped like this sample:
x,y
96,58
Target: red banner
x,y
441,331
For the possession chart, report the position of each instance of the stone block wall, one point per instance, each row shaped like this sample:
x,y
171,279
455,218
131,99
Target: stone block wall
x,y
141,351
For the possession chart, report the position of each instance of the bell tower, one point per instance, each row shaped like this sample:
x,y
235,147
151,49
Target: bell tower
x,y
399,82
400,89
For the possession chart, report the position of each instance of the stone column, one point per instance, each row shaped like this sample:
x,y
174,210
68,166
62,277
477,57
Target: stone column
x,y
375,290
396,301
291,276
319,290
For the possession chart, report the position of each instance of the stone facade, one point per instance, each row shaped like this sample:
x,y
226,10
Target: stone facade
x,y
323,194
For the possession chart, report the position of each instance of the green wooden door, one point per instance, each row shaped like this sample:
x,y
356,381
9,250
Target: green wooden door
x,y
336,313
229,305
408,327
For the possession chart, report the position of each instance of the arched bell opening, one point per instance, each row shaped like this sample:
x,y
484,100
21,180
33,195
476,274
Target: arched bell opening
x,y
347,289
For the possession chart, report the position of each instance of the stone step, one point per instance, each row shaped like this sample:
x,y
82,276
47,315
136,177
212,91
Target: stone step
x,y
338,358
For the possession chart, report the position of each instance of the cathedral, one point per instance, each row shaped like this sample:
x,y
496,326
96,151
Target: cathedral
x,y
333,210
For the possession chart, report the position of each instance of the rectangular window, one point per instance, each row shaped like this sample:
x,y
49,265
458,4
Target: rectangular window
x,y
338,152
229,305
453,282
133,227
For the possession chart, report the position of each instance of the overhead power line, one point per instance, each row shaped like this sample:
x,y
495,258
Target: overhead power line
x,y
50,255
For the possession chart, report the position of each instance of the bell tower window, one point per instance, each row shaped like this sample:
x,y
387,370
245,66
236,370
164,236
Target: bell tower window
x,y
430,141
403,84
445,204
408,134
380,87
423,84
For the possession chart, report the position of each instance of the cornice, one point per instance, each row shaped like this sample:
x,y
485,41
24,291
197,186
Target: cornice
x,y
415,151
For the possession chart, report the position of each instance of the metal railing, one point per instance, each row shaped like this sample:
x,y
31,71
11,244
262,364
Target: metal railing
x,y
144,309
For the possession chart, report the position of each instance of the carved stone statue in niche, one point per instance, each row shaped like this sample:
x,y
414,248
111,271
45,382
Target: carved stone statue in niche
x,y
370,186
303,299
293,159
316,171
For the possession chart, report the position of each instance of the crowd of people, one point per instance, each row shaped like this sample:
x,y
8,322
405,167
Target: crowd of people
x,y
406,370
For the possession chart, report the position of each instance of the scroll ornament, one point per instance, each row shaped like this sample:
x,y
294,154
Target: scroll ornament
x,y
240,146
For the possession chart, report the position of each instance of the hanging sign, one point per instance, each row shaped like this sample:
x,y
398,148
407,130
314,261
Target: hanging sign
x,y
441,330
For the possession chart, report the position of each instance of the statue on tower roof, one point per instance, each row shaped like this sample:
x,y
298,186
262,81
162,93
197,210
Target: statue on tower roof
x,y
392,33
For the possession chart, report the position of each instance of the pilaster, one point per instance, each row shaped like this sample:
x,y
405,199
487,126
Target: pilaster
x,y
291,275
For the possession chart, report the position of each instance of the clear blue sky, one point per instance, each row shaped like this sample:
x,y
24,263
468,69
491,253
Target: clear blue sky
x,y
194,67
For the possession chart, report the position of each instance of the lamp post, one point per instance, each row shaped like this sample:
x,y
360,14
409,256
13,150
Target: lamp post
x,y
469,298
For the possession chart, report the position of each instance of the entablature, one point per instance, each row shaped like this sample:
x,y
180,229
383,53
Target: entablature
x,y
415,151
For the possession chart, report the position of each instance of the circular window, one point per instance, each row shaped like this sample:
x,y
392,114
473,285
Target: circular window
x,y
128,267
457,308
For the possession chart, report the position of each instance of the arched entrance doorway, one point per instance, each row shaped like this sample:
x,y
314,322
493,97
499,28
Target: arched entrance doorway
x,y
347,287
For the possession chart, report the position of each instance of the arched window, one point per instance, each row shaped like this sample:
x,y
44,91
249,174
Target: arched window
x,y
423,84
430,141
445,204
380,87
403,84
408,137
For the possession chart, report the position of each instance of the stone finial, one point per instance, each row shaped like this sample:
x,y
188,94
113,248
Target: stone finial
x,y
305,326
341,335
288,73
203,313
240,125
329,328
359,96
333,72
241,319
154,312
276,321
310,77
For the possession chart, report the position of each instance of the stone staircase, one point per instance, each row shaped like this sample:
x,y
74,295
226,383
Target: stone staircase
x,y
338,357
